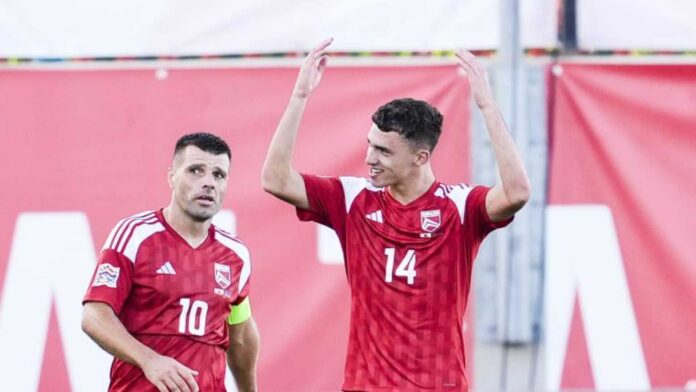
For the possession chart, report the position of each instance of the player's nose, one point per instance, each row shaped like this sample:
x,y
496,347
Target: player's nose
x,y
371,157
208,181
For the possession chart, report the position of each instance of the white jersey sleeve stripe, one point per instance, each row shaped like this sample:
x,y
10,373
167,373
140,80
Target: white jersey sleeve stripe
x,y
458,194
115,233
140,234
241,251
127,228
112,234
124,226
352,186
130,227
109,243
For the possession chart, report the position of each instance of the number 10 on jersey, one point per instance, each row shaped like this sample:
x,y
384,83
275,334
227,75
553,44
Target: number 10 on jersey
x,y
192,318
406,268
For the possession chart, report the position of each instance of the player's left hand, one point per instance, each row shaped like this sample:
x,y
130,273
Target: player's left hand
x,y
478,79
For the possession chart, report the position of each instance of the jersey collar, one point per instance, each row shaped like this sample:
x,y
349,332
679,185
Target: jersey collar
x,y
208,240
415,203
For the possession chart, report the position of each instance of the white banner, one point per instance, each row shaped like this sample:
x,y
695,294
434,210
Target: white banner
x,y
596,275
164,27
636,24
78,28
539,23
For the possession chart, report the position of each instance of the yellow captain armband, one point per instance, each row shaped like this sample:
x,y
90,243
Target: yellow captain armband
x,y
240,313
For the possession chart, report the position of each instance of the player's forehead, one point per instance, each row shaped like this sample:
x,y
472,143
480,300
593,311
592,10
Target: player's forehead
x,y
391,140
192,155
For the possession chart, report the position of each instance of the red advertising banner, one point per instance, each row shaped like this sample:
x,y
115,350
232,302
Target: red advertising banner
x,y
82,149
624,139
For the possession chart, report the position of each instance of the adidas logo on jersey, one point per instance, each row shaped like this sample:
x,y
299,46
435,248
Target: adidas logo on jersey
x,y
375,216
166,269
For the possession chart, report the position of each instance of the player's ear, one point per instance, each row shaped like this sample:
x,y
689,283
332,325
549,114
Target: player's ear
x,y
170,177
422,157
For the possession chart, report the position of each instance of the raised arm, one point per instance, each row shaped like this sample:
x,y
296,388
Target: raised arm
x,y
513,192
242,354
278,176
101,324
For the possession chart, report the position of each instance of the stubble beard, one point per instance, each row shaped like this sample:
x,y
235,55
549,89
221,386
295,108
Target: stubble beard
x,y
196,214
201,216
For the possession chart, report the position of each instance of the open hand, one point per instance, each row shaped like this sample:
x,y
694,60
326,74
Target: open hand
x,y
312,69
168,375
478,80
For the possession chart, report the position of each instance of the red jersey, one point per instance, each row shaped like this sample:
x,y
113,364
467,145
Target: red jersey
x,y
409,270
170,296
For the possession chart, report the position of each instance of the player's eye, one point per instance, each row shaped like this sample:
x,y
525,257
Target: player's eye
x,y
196,170
219,175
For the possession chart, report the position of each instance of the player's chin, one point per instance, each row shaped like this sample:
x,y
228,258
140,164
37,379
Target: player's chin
x,y
202,214
379,181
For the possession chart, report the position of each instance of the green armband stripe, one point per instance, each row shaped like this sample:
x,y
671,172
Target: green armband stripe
x,y
240,313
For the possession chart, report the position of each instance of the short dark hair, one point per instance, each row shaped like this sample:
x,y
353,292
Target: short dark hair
x,y
205,141
417,121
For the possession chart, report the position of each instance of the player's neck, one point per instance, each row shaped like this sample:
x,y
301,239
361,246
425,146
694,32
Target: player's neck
x,y
412,188
195,233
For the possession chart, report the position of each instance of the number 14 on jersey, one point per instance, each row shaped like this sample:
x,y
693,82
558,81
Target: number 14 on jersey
x,y
406,268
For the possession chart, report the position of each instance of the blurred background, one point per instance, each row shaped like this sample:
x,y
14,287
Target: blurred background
x,y
593,286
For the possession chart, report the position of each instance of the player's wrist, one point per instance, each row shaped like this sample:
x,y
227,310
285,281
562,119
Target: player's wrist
x,y
300,95
144,357
488,107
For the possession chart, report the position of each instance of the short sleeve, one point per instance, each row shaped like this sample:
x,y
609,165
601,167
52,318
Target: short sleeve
x,y
112,280
243,293
240,263
326,201
476,215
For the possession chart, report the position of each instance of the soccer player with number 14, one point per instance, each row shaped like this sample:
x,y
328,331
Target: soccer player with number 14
x,y
409,241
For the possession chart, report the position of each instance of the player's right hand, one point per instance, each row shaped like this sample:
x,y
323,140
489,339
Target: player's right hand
x,y
168,375
312,69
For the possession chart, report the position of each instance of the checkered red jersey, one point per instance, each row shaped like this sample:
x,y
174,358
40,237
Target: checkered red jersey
x,y
170,296
409,270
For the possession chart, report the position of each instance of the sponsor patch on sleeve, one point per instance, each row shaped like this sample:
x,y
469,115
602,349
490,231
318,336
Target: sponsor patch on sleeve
x,y
107,275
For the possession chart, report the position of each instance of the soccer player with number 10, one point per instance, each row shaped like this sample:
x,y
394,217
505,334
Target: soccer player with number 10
x,y
169,297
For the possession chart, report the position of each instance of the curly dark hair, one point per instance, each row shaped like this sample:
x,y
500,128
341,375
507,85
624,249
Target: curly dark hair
x,y
205,141
417,121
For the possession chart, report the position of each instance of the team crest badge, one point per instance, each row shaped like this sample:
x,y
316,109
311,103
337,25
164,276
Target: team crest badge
x,y
223,275
430,220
